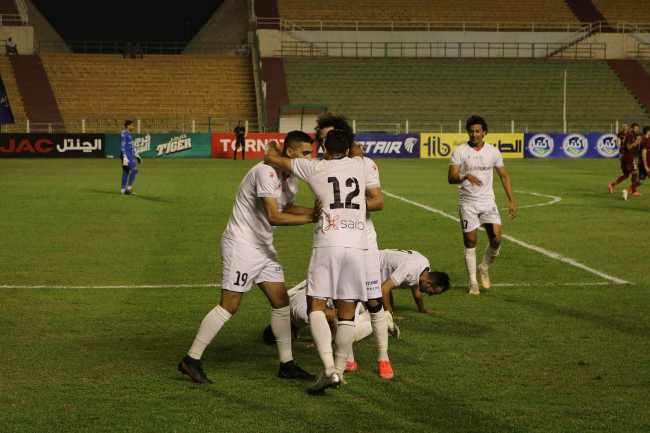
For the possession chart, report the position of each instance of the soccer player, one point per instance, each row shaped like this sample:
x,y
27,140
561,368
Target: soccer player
x,y
264,200
644,163
408,268
374,202
129,159
337,265
630,141
471,166
240,140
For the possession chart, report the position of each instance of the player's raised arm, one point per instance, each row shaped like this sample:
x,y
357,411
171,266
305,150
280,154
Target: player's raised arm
x,y
274,157
507,187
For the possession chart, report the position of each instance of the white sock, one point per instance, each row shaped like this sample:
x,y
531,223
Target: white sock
x,y
380,328
210,326
470,265
490,255
344,340
281,326
322,335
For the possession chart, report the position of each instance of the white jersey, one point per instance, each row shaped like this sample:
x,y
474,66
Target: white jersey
x,y
340,185
403,267
372,181
480,164
248,222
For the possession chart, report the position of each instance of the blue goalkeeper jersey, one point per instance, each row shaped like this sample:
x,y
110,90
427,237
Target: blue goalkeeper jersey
x,y
126,144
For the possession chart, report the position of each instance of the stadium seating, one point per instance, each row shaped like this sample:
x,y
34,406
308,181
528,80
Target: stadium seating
x,y
630,11
427,10
8,7
15,101
436,93
96,86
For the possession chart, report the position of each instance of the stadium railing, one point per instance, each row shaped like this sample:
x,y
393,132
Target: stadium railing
x,y
12,20
143,125
584,50
145,47
642,51
429,26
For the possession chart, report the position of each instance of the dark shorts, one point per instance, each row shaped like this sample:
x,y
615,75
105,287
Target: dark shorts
x,y
628,165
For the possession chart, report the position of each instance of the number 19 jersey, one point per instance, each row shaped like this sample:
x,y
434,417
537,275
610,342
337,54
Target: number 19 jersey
x,y
340,186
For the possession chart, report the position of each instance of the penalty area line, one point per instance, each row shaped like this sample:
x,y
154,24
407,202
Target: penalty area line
x,y
540,250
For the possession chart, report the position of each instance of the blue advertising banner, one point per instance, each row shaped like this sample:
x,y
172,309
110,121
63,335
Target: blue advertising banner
x,y
590,145
164,145
377,145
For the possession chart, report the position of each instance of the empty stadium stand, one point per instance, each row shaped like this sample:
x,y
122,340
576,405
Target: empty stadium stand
x,y
427,10
436,93
157,87
631,11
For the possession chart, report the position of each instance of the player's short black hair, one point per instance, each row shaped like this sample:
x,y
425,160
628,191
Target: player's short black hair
x,y
127,123
295,138
338,142
646,129
440,279
476,120
634,125
329,120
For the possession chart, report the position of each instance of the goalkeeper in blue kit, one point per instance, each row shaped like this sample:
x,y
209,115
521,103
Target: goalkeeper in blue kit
x,y
129,157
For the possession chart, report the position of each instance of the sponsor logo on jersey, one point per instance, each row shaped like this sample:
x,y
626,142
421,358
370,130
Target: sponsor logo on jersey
x,y
575,145
608,146
332,222
541,145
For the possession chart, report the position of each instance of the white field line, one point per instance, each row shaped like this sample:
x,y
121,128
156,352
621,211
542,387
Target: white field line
x,y
545,252
107,286
554,199
552,284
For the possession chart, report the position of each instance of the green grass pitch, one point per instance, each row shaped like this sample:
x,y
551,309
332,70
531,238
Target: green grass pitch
x,y
552,348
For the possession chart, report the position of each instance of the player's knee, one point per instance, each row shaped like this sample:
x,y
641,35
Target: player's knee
x,y
230,307
470,243
374,305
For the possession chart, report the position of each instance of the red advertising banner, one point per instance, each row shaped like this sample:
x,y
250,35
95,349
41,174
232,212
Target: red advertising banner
x,y
223,144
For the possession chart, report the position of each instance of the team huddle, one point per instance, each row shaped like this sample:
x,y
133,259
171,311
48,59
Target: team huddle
x,y
348,291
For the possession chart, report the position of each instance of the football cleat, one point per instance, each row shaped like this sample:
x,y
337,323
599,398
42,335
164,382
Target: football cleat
x,y
625,193
351,366
324,381
636,194
610,188
484,276
473,289
192,367
385,369
290,370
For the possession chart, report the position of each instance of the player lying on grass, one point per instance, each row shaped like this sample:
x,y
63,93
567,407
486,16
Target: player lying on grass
x,y
264,199
300,320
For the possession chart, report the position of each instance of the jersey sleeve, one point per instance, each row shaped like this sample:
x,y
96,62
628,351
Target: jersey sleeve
x,y
456,157
408,272
267,183
498,158
303,168
372,173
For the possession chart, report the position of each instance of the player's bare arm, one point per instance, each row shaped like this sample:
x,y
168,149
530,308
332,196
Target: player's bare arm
x,y
278,218
386,288
374,199
454,177
419,301
507,188
275,158
644,158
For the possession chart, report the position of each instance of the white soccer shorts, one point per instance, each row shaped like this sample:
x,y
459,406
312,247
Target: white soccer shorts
x,y
337,273
244,264
474,215
373,274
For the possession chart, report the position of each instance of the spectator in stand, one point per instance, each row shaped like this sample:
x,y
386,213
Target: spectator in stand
x,y
11,48
240,140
